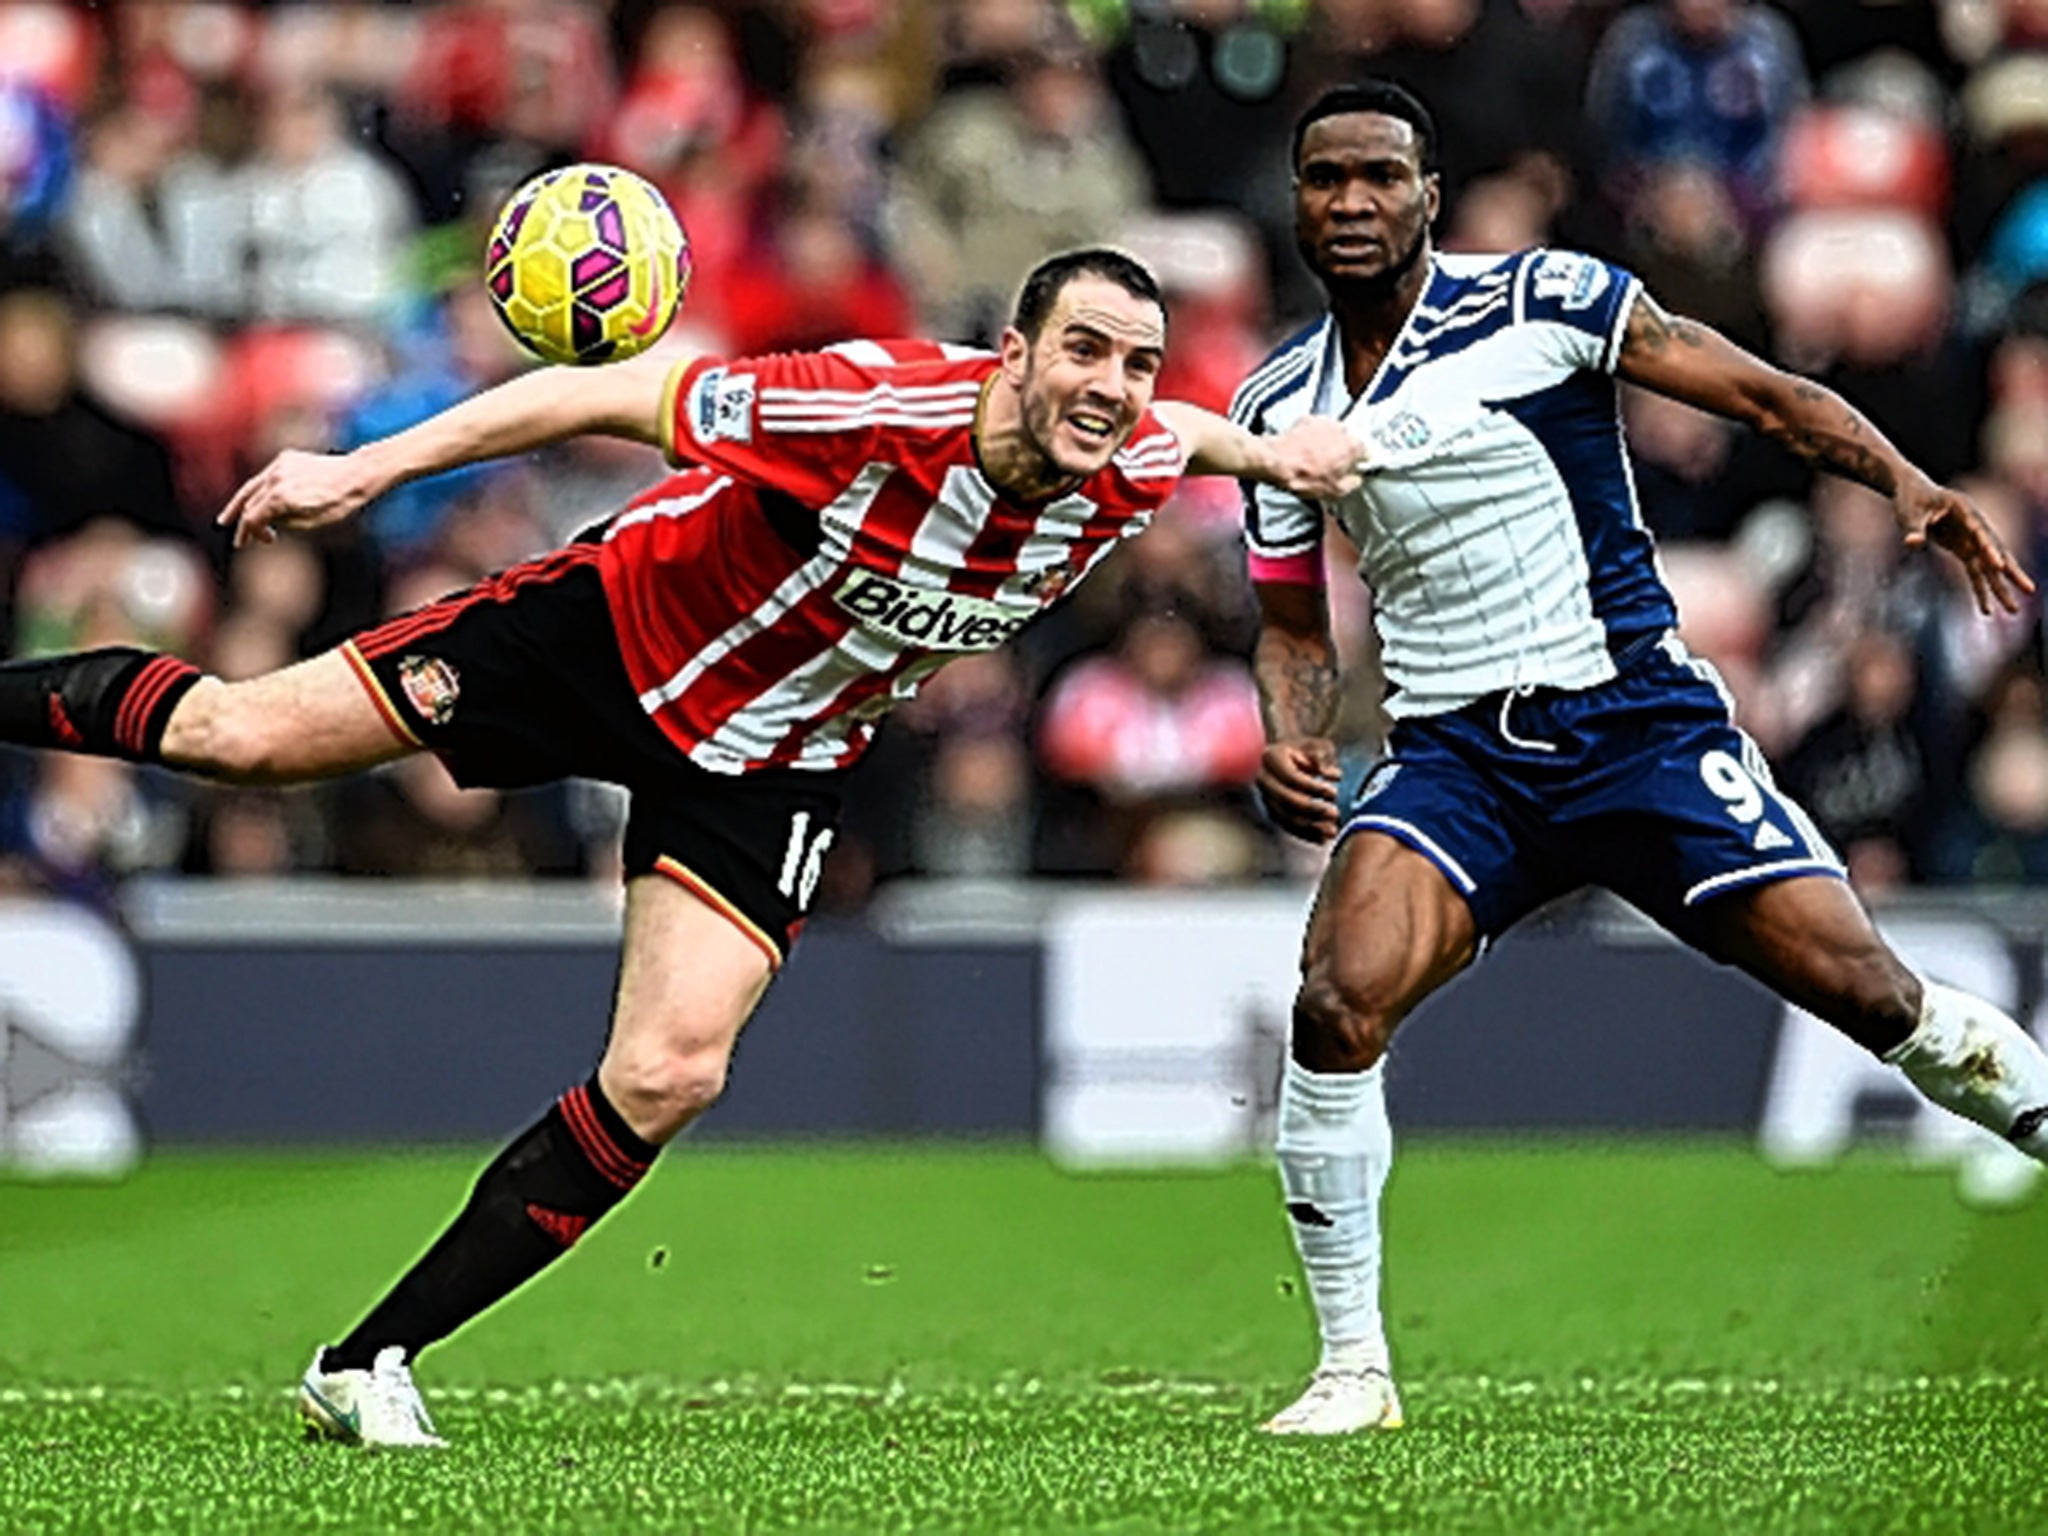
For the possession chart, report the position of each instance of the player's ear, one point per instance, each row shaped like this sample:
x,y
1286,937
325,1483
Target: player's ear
x,y
1433,195
1015,350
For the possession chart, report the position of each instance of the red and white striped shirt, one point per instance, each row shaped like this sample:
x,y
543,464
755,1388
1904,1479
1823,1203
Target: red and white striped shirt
x,y
836,544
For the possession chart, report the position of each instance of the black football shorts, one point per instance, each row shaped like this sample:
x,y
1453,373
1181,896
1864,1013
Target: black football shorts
x,y
518,681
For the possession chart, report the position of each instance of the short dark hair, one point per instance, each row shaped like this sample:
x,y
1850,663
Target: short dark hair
x,y
1375,93
1042,288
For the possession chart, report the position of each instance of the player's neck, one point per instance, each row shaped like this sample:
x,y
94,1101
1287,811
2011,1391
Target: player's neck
x,y
1370,315
1016,466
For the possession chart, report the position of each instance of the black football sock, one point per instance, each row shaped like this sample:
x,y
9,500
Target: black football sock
x,y
113,702
527,1209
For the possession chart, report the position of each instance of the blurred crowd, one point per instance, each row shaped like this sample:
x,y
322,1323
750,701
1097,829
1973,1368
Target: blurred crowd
x,y
228,229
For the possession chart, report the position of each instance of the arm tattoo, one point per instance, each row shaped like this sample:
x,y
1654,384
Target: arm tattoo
x,y
1850,459
1652,330
1836,441
1298,688
1807,418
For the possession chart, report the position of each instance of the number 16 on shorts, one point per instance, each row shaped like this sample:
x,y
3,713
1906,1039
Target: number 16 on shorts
x,y
803,860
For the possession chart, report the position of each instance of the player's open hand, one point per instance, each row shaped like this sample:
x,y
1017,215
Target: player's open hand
x,y
1933,513
1298,783
1319,459
296,490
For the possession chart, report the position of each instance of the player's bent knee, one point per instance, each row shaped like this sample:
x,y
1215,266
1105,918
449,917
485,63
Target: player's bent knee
x,y
659,1092
1341,1024
214,732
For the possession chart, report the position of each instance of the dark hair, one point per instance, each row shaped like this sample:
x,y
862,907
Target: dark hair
x,y
1373,94
1042,288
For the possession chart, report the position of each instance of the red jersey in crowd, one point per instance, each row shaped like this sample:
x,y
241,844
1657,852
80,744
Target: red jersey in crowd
x,y
838,543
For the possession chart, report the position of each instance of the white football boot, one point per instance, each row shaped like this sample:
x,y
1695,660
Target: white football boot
x,y
1340,1402
379,1406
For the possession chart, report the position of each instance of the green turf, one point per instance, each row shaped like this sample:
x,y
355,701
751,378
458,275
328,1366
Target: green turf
x,y
1593,1338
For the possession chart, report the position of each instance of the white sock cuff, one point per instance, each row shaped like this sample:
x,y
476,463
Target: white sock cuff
x,y
1367,1352
1329,1096
1939,1034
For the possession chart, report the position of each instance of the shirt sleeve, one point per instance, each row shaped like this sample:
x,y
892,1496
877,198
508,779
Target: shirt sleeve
x,y
799,423
1581,301
1283,534
1299,561
1149,467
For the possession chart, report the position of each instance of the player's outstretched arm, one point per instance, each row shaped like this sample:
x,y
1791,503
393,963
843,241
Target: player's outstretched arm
x,y
311,490
1295,663
1317,459
1694,363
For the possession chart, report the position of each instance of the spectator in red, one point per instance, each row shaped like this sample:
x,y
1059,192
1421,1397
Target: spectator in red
x,y
536,70
689,123
1158,716
812,283
52,47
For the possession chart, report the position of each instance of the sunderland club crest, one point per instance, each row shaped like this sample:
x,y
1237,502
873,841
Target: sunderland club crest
x,y
1048,584
431,687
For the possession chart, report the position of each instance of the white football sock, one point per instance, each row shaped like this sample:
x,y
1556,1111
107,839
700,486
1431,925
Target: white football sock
x,y
1971,1059
1335,1148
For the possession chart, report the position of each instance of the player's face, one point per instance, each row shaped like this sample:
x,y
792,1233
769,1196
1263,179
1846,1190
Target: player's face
x,y
1362,204
1090,374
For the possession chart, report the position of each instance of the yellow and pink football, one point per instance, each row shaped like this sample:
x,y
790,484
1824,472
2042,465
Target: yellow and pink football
x,y
587,264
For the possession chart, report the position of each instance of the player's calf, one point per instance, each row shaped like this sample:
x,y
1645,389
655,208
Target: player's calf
x,y
112,702
529,1207
1861,988
1388,930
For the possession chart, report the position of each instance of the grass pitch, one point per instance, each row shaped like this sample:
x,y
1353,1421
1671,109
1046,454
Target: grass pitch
x,y
1647,1338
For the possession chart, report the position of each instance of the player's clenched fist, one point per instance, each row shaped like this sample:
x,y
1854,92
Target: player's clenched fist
x,y
1318,459
1298,783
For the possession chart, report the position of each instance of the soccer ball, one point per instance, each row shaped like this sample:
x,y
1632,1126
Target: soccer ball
x,y
587,264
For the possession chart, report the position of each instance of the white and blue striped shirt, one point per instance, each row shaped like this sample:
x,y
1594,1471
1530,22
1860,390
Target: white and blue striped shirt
x,y
1497,526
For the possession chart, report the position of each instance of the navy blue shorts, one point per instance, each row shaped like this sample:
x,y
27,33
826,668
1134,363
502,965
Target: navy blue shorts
x,y
1642,785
